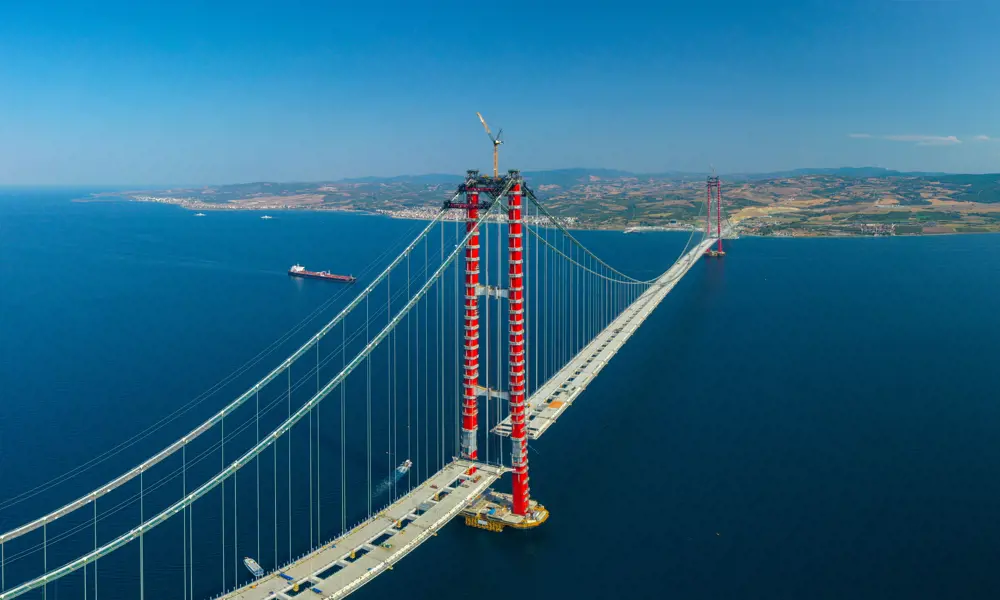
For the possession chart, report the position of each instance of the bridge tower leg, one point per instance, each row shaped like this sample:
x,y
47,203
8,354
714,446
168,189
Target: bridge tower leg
x,y
713,191
519,433
708,207
718,214
470,410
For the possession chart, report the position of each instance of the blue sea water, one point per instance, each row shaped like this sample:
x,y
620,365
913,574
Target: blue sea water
x,y
803,419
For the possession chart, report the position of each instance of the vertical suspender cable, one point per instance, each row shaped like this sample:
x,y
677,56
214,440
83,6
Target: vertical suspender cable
x,y
570,301
588,303
85,592
441,380
223,443
440,340
427,375
368,405
311,544
236,533
394,349
581,301
190,526
95,548
459,335
311,524
274,455
389,387
549,317
257,462
389,404
416,385
289,465
343,430
409,449
142,552
184,516
563,308
565,299
581,307
525,305
319,497
537,307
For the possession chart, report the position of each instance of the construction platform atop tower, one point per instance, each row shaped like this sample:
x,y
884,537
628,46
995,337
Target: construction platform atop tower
x,y
493,511
493,188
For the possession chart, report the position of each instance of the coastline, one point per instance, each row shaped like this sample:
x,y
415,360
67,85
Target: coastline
x,y
427,214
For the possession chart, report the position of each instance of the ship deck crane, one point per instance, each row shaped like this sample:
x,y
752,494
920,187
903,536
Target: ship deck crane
x,y
497,140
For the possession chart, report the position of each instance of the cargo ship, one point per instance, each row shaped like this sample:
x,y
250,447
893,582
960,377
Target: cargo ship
x,y
300,271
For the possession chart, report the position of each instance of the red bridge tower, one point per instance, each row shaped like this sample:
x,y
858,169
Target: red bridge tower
x,y
713,190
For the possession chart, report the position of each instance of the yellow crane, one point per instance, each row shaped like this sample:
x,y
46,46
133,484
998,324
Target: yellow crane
x,y
496,142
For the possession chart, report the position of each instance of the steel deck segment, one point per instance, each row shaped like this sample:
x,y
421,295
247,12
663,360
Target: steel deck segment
x,y
556,395
351,575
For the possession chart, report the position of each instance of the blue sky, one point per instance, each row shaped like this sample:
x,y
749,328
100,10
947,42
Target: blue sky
x,y
178,92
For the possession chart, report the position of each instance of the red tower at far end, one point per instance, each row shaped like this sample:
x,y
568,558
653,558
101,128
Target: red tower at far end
x,y
713,190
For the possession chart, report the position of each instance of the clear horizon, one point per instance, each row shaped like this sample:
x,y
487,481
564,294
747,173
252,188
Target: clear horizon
x,y
187,94
403,175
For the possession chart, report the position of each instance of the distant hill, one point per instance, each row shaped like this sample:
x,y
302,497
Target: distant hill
x,y
430,178
977,188
576,176
852,172
561,177
571,177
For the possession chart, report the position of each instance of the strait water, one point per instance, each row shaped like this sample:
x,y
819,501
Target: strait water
x,y
805,419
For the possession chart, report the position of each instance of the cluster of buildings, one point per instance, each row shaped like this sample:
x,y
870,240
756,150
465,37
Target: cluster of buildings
x,y
196,204
878,228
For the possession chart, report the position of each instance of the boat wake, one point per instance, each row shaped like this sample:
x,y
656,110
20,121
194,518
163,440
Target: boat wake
x,y
397,474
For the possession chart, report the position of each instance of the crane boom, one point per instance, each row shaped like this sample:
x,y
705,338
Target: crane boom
x,y
487,127
493,138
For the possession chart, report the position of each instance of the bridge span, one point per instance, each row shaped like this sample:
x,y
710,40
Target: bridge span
x,y
419,322
340,567
559,392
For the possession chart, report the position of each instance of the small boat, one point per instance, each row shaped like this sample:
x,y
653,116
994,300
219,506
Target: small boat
x,y
199,214
403,468
267,217
253,566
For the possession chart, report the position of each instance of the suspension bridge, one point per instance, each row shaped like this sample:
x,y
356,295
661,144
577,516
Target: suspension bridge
x,y
398,415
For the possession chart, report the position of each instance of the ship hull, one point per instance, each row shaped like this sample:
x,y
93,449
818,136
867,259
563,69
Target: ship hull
x,y
313,275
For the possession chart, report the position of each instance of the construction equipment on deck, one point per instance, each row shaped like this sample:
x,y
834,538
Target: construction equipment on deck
x,y
497,140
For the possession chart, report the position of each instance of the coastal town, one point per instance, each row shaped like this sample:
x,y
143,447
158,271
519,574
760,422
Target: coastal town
x,y
838,202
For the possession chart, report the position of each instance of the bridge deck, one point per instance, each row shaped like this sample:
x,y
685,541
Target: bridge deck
x,y
558,393
330,572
